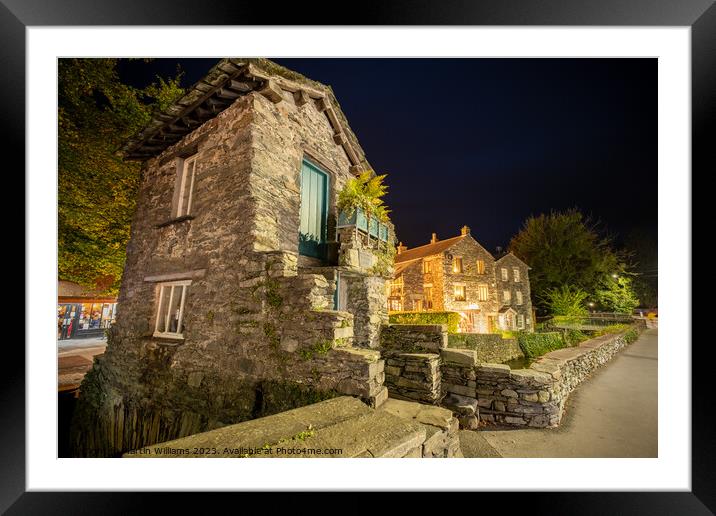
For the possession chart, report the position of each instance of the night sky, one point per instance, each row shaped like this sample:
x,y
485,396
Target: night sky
x,y
488,142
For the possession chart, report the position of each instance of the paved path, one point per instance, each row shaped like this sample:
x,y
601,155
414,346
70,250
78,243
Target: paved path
x,y
611,414
74,359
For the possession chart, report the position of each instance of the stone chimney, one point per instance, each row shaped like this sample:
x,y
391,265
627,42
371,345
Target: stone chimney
x,y
464,230
401,248
434,239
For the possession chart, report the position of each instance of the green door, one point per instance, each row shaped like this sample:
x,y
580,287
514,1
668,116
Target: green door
x,y
314,211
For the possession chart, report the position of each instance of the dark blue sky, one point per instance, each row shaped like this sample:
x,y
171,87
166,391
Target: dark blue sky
x,y
488,142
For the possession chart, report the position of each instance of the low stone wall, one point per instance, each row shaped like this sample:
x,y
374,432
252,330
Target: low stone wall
x,y
413,338
412,370
414,376
489,347
536,396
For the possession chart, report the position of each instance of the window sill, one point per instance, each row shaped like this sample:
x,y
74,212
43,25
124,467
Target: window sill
x,y
167,340
174,221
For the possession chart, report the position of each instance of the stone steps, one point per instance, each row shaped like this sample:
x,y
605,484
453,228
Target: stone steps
x,y
340,427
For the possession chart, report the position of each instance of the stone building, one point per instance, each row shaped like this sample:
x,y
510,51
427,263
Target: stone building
x,y
460,275
240,296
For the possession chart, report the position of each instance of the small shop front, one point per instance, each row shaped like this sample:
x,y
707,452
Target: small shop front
x,y
85,319
81,313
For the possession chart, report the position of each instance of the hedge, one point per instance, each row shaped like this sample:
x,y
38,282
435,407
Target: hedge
x,y
537,344
452,319
473,340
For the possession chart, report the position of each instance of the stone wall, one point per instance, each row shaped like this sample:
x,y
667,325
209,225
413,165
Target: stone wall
x,y
259,335
475,390
489,347
536,396
412,368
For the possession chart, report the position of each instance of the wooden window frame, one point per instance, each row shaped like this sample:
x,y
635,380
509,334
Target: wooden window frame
x,y
505,275
516,274
483,287
518,297
455,261
480,264
506,297
455,295
183,182
184,284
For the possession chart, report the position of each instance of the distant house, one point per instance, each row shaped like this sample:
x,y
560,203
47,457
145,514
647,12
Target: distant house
x,y
460,275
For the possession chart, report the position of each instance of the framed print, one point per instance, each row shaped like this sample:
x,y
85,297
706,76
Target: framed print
x,y
333,245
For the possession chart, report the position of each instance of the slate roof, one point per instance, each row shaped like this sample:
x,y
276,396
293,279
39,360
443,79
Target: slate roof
x,y
228,80
427,250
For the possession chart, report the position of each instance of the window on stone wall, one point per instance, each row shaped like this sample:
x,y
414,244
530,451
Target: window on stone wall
x,y
457,264
459,292
396,287
520,321
506,296
395,305
428,294
427,266
418,305
504,273
170,309
482,292
480,266
518,297
184,186
516,274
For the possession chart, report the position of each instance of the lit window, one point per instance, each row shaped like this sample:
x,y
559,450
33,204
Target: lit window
x,y
480,267
428,294
184,188
394,305
459,291
457,264
518,297
396,287
521,321
516,273
427,266
418,305
506,296
170,312
482,293
503,271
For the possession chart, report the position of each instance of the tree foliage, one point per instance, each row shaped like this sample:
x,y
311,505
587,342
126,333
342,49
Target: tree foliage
x,y
96,188
566,301
617,295
565,249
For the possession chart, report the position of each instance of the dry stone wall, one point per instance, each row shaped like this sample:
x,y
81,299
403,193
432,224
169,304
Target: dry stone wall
x,y
474,390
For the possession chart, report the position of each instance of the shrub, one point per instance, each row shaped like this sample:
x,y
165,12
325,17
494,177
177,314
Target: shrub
x,y
537,344
631,335
612,328
452,319
574,337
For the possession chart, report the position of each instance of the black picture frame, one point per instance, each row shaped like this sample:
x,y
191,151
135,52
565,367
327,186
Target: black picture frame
x,y
700,15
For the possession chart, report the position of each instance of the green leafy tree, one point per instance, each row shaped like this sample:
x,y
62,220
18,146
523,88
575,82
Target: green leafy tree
x,y
617,295
566,301
565,249
96,188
